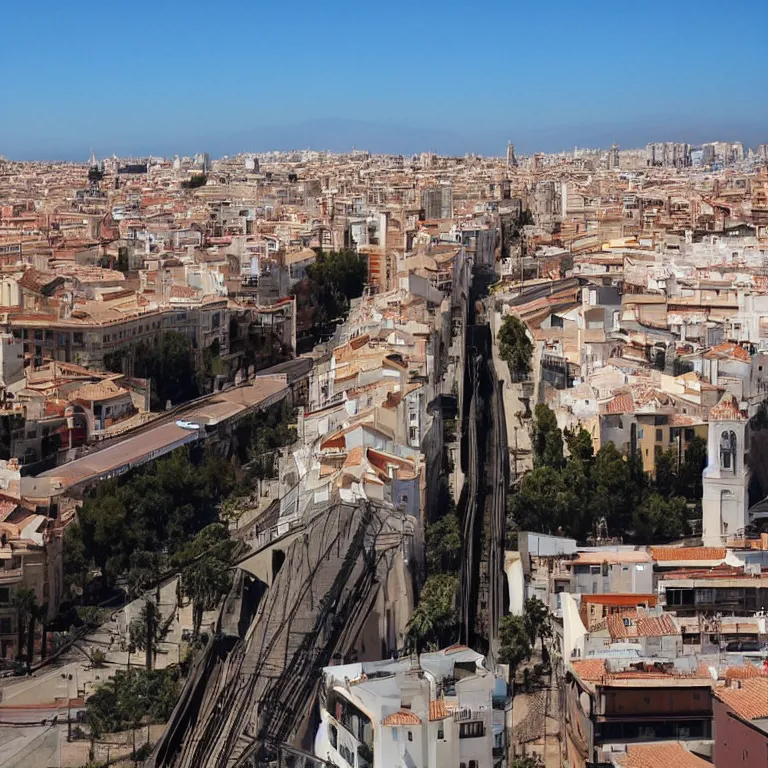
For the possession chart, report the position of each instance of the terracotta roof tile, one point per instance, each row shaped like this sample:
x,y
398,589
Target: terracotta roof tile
x,y
403,717
749,701
631,624
664,554
589,669
728,349
438,710
745,672
660,756
622,403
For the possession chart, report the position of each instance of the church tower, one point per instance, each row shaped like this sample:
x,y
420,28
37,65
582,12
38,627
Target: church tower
x,y
725,499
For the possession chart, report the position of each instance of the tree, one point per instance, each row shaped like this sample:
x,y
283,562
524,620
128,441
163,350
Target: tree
x,y
332,281
171,368
540,503
144,570
148,630
515,645
434,622
614,492
76,560
515,348
665,465
694,462
547,439
536,620
443,544
659,519
205,575
576,495
580,443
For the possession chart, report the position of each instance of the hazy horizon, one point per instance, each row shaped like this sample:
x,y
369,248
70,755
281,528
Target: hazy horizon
x,y
181,78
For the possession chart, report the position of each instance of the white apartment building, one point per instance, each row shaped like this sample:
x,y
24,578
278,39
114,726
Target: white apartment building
x,y
435,710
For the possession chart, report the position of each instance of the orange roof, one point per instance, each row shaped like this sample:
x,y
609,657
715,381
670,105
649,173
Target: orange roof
x,y
728,349
749,701
661,554
589,669
626,600
438,710
744,672
622,403
660,756
403,717
637,624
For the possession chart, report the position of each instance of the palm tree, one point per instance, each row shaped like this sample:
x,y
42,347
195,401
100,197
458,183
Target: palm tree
x,y
204,581
420,627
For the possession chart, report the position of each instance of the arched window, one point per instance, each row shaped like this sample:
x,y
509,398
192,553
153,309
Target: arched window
x,y
728,451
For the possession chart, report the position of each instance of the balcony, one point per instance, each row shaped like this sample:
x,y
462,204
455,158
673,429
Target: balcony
x,y
11,575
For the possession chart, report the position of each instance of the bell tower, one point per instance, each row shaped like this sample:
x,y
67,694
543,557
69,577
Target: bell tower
x,y
725,499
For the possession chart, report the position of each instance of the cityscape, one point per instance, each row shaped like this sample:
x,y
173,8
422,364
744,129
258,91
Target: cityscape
x,y
351,459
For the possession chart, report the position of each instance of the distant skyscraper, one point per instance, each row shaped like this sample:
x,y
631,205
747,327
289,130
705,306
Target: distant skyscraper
x,y
511,159
613,158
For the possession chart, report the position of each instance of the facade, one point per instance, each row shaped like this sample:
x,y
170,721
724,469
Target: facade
x,y
741,723
437,709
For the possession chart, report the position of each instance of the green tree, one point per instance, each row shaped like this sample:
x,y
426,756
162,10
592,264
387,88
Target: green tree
x,y
665,465
145,569
514,641
690,474
434,623
170,366
205,575
576,494
76,560
540,503
536,620
148,630
332,281
659,519
547,438
515,348
580,443
614,493
443,537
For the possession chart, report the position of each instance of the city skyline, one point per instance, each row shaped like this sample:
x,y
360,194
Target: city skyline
x,y
189,79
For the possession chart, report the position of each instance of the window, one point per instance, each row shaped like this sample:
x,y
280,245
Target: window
x,y
440,733
333,736
594,569
77,338
395,735
471,730
639,434
5,595
5,626
659,435
410,735
473,764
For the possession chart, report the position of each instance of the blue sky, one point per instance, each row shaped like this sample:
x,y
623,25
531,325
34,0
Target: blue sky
x,y
163,77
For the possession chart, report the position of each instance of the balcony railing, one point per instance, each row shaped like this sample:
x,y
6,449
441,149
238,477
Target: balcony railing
x,y
11,574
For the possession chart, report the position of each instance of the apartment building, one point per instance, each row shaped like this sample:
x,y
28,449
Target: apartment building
x,y
437,709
